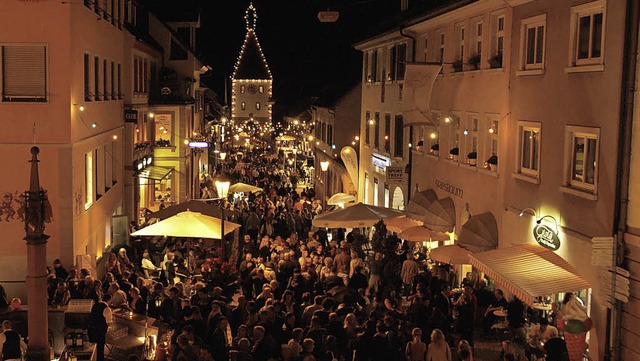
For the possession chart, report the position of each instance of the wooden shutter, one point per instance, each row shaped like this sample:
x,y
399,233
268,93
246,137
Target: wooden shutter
x,y
24,73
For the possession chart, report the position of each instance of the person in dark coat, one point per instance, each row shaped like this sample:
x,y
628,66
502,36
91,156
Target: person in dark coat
x,y
219,342
99,319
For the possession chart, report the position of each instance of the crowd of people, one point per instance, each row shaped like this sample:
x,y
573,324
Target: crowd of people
x,y
294,292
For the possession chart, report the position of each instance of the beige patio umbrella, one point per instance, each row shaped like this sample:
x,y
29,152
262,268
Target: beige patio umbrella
x,y
358,215
441,215
244,188
192,205
422,234
452,254
400,224
341,198
188,224
285,137
419,203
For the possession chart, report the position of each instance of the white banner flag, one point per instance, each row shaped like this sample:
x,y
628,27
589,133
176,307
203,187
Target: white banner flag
x,y
350,160
416,93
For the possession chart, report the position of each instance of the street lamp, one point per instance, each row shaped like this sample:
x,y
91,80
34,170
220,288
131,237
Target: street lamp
x,y
222,187
324,165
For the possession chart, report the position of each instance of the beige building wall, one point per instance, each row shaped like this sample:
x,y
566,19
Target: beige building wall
x,y
63,133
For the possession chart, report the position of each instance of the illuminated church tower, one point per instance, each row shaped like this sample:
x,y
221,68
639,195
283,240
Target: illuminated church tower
x,y
251,82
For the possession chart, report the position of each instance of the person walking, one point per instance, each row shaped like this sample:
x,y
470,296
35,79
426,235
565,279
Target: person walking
x,y
99,319
12,346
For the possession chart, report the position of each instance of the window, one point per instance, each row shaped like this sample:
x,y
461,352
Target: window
x,y
393,55
398,138
108,166
401,60
87,79
532,42
261,89
477,39
96,78
441,49
376,131
367,133
119,14
366,188
433,136
497,40
470,134
426,49
120,95
257,106
163,129
387,132
136,78
454,136
24,73
243,105
145,76
177,51
490,137
529,148
375,191
587,23
387,196
323,132
365,67
242,89
89,179
113,11
329,134
374,66
460,51
96,6
105,90
583,144
113,81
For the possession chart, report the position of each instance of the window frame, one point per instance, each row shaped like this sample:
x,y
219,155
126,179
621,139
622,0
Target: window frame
x,y
578,12
571,133
527,24
478,32
442,46
32,98
461,42
526,126
398,139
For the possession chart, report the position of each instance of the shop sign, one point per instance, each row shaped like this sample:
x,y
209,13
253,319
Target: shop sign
x,y
395,175
380,163
130,116
450,188
546,237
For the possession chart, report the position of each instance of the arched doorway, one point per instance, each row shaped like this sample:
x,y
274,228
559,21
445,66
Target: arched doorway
x,y
398,199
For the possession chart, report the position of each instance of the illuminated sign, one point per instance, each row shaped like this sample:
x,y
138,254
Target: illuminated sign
x,y
380,163
198,145
546,237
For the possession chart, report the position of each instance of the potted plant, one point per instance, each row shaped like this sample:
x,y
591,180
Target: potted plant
x,y
453,154
435,149
457,66
495,61
419,146
492,163
472,158
474,61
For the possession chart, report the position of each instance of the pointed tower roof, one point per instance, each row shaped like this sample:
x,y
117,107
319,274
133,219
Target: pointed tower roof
x,y
251,63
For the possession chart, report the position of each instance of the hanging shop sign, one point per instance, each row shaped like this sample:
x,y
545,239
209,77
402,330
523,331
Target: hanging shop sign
x,y
394,175
380,163
130,116
546,236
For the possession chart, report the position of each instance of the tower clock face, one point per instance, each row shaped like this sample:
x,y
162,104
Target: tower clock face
x,y
252,89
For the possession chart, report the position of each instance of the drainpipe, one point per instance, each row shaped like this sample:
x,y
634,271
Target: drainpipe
x,y
413,59
625,136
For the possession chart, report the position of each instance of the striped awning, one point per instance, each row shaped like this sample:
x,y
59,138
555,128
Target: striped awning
x,y
529,271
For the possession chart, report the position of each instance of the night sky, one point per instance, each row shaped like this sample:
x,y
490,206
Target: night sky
x,y
306,57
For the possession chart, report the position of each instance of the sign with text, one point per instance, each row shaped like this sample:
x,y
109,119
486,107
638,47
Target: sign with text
x,y
546,237
450,188
130,116
380,163
395,175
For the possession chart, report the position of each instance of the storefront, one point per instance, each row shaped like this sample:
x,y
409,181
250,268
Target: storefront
x,y
155,186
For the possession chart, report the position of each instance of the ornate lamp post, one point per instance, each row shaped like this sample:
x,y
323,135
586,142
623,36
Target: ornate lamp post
x,y
222,186
35,206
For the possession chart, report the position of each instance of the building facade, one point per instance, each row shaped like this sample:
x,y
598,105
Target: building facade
x,y
525,83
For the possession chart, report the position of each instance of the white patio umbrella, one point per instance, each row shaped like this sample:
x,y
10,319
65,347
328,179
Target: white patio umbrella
x,y
244,188
452,254
358,215
341,198
400,224
422,234
188,224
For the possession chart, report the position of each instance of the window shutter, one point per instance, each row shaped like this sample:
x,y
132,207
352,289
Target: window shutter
x,y
24,73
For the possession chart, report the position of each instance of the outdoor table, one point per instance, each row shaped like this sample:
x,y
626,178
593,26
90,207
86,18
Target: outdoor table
x,y
500,313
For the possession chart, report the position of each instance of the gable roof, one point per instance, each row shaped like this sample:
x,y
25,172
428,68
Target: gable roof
x,y
251,62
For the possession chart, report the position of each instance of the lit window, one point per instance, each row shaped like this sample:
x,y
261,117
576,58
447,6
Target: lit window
x,y
529,148
587,26
89,175
583,144
242,89
261,89
532,42
257,106
163,128
243,105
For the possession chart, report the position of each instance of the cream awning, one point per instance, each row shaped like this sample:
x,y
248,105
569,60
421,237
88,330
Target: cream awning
x,y
441,215
419,203
452,254
529,271
479,233
421,234
400,224
359,215
244,188
341,198
188,224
